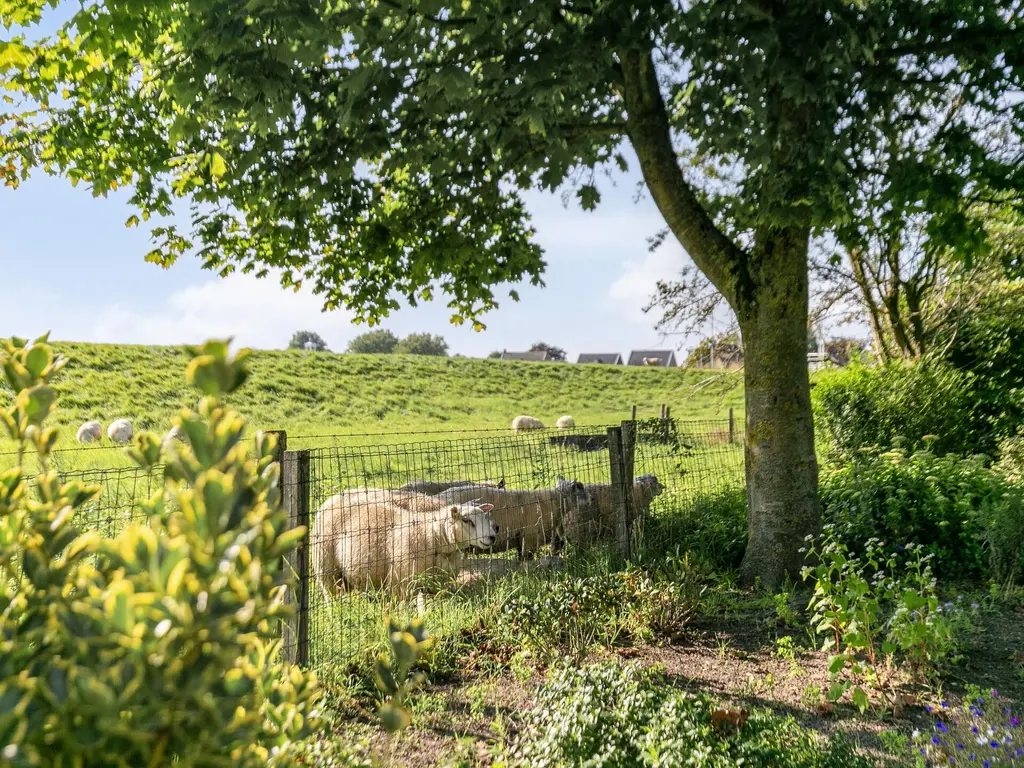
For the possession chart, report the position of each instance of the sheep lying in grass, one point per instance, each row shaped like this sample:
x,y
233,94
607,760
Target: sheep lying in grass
x,y
565,422
597,521
366,539
432,488
90,432
528,519
176,433
120,431
526,423
480,570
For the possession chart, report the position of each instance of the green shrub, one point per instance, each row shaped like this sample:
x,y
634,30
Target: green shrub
x,y
576,614
902,404
157,646
620,717
711,527
952,506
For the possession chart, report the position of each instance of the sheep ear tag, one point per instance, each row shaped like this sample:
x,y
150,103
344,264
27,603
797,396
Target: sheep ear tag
x,y
486,507
456,512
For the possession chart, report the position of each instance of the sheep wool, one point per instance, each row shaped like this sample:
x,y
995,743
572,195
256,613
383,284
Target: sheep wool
x,y
527,519
565,422
365,539
90,432
120,431
525,423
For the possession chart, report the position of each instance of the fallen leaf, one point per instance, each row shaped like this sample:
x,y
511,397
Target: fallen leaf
x,y
826,708
729,720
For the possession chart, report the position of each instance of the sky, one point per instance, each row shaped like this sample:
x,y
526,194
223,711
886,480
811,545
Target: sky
x,y
73,268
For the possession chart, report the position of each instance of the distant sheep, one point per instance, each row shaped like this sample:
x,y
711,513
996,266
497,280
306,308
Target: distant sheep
x,y
365,539
598,520
652,361
120,431
90,432
526,423
432,488
565,422
527,519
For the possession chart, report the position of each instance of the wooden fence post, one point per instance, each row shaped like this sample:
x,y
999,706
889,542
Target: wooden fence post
x,y
282,442
620,494
295,494
732,428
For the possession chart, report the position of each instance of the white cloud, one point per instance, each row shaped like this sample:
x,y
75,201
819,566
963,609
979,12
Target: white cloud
x,y
634,287
256,312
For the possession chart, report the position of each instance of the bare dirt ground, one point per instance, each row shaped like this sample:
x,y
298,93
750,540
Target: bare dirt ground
x,y
733,657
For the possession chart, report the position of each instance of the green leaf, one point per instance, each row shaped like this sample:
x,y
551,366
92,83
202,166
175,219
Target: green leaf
x,y
393,718
860,699
589,197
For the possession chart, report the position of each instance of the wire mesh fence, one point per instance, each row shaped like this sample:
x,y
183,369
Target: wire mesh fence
x,y
444,525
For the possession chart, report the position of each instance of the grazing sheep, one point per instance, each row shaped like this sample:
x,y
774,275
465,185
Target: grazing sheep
x,y
598,520
528,519
565,422
176,433
652,361
525,423
364,539
432,488
120,431
90,432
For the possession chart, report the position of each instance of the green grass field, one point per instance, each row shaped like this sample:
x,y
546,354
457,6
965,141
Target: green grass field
x,y
309,393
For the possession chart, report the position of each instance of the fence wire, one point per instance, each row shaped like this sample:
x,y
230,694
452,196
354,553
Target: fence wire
x,y
385,543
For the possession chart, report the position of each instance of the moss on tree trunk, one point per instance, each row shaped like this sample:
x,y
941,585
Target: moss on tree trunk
x,y
781,468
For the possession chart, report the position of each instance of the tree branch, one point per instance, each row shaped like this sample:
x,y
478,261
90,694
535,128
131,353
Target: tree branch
x,y
647,123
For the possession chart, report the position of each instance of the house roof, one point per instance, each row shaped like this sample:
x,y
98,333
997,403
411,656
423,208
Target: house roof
x,y
608,358
536,357
665,358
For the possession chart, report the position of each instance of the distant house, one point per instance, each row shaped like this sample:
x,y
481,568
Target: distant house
x,y
604,358
724,358
655,358
539,356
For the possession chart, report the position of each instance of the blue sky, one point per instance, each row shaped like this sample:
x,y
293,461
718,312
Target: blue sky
x,y
79,272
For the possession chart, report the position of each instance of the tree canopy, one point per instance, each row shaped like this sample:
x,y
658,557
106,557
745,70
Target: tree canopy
x,y
308,340
377,342
422,344
378,148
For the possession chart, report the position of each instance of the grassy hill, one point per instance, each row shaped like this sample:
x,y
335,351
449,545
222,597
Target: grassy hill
x,y
323,393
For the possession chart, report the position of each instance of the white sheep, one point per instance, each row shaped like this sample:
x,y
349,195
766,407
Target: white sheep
x,y
434,487
652,361
524,423
527,519
598,520
120,431
90,432
175,433
364,539
565,422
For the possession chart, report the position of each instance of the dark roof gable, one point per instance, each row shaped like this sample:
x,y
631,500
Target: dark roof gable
x,y
665,358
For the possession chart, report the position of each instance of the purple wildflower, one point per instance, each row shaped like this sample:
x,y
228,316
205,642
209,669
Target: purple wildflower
x,y
941,727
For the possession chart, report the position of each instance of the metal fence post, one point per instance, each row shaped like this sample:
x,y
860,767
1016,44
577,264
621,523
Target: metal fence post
x,y
295,495
633,417
732,428
620,492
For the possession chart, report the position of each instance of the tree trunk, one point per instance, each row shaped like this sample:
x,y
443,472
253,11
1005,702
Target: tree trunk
x,y
781,468
768,289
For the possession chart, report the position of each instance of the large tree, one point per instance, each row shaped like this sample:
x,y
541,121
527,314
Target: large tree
x,y
374,148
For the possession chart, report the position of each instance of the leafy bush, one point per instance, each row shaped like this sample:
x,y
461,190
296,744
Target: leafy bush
x,y
422,344
711,527
378,342
952,506
579,613
159,645
983,336
875,606
620,717
902,404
